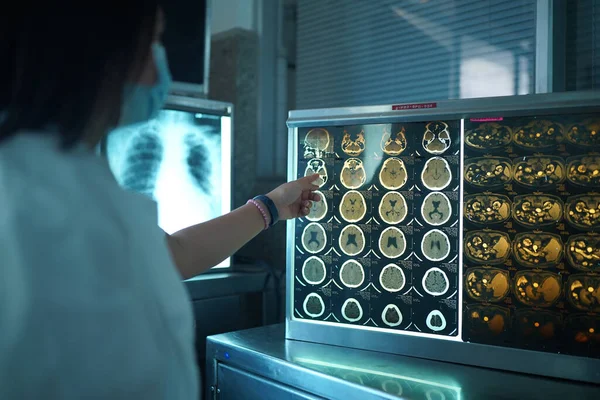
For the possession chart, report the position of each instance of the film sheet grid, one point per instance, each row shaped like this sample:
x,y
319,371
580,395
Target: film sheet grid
x,y
531,243
381,248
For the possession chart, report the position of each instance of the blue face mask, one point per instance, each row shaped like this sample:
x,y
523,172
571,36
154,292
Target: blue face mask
x,y
141,102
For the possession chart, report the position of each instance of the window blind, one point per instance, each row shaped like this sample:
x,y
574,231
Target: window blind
x,y
583,45
359,52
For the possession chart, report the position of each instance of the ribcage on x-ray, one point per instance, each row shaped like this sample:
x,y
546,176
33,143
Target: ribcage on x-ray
x,y
142,164
198,162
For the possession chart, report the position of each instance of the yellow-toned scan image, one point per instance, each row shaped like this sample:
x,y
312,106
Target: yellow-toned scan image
x,y
583,252
487,247
487,172
393,208
393,144
316,143
436,209
487,209
352,240
392,243
436,321
585,329
488,136
586,134
352,310
393,174
353,144
435,245
353,206
537,324
535,210
539,134
584,292
319,209
436,139
537,250
353,174
436,174
486,320
314,271
584,171
314,238
539,172
392,278
537,289
317,166
583,211
435,282
352,274
314,306
487,284
391,316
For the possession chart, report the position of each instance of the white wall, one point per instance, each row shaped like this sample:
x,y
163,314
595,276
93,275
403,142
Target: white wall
x,y
230,14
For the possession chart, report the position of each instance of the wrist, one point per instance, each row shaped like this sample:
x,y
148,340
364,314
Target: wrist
x,y
262,210
271,207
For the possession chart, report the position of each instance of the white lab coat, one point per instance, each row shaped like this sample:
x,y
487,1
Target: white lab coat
x,y
91,305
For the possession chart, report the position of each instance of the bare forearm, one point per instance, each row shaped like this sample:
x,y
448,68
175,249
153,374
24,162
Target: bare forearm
x,y
201,247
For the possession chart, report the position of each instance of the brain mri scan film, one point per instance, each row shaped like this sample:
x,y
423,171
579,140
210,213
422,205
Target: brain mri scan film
x,y
353,206
393,208
317,166
391,315
352,274
178,160
435,245
319,209
394,144
314,306
393,174
385,234
392,243
353,174
314,271
435,282
352,310
436,174
314,238
436,139
392,278
352,240
436,209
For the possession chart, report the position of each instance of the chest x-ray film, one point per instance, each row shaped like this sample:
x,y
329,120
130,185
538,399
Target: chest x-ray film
x,y
181,160
380,250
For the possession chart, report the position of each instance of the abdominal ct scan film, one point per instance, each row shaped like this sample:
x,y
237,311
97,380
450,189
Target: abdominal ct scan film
x,y
382,250
532,233
175,159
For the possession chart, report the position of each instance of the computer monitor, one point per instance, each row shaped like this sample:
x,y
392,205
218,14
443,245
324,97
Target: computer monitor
x,y
187,42
181,159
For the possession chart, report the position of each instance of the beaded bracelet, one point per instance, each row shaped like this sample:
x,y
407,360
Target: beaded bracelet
x,y
262,212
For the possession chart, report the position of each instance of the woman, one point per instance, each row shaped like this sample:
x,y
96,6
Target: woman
x,y
91,299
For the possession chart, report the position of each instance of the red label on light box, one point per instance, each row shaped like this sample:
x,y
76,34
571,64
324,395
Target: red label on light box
x,y
413,106
492,119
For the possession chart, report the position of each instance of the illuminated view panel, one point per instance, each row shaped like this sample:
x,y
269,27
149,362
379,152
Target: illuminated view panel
x,y
531,243
181,160
381,248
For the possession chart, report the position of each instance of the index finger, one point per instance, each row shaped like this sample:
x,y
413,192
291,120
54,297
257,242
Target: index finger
x,y
308,182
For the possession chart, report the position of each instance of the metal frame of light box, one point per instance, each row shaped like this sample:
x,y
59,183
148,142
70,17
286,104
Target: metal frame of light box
x,y
429,346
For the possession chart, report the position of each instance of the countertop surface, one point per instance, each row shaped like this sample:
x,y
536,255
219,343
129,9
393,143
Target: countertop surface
x,y
340,373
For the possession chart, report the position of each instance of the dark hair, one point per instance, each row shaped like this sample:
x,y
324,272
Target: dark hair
x,y
68,69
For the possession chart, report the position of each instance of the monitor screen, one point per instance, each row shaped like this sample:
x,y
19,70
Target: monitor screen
x,y
186,40
181,159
